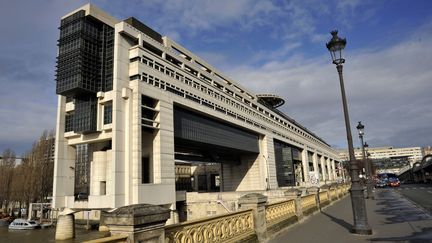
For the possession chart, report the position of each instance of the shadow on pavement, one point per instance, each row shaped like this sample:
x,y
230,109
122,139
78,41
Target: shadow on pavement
x,y
398,210
341,222
424,236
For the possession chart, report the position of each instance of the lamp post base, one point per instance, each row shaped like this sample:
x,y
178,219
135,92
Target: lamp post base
x,y
361,231
360,225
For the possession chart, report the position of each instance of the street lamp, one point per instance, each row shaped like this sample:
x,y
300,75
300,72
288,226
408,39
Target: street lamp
x,y
369,192
361,226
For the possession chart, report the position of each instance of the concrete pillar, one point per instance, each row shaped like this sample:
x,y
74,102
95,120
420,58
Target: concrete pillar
x,y
323,170
256,202
65,228
64,160
328,167
305,164
333,168
140,39
141,222
315,165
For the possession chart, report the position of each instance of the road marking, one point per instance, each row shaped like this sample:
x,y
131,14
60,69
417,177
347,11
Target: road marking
x,y
429,191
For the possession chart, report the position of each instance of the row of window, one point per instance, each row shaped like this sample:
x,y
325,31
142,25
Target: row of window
x,y
211,82
187,95
187,80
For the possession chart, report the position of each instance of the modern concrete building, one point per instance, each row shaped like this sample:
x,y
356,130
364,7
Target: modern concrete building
x,y
389,159
413,154
427,150
140,116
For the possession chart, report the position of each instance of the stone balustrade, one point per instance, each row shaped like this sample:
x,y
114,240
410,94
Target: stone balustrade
x,y
224,228
308,204
256,221
281,214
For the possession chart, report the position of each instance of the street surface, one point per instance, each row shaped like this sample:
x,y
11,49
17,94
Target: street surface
x,y
420,194
391,217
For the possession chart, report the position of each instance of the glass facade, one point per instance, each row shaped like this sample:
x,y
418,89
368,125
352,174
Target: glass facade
x,y
285,169
108,113
82,169
84,66
69,123
85,116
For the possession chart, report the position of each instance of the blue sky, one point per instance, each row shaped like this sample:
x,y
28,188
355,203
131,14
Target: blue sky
x,y
267,46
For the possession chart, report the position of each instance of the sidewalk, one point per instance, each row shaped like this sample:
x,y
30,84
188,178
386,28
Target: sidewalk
x,y
391,217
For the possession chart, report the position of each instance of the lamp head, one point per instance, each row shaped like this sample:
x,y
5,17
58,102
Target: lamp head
x,y
336,46
360,128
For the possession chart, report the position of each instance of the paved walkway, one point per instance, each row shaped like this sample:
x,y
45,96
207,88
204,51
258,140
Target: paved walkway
x,y
391,217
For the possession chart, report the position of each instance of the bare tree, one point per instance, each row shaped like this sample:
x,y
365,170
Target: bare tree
x,y
32,179
42,160
7,165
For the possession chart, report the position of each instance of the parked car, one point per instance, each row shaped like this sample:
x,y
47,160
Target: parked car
x,y
381,184
393,182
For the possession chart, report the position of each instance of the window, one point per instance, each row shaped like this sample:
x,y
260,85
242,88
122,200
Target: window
x,y
69,122
145,170
103,188
108,113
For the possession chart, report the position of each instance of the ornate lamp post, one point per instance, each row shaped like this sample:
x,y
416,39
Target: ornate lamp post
x,y
361,226
369,186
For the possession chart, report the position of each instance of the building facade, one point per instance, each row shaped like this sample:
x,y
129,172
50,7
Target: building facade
x,y
138,116
389,159
413,154
427,150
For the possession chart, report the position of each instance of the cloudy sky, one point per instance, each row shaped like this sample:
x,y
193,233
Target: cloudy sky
x,y
268,46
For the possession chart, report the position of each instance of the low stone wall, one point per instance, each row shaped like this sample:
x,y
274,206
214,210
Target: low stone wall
x,y
233,227
280,215
257,219
268,217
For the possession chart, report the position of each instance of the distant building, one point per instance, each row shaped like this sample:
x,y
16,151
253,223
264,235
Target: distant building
x,y
413,154
427,150
389,159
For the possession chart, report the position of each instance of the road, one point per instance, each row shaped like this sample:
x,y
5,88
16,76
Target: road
x,y
420,194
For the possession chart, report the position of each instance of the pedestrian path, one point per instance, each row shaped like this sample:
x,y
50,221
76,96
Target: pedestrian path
x,y
411,188
391,217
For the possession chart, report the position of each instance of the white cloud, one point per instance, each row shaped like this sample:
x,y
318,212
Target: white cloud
x,y
194,16
388,89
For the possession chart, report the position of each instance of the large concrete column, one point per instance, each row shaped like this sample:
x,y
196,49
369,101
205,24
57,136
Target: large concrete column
x,y
65,228
263,163
64,161
323,170
333,166
267,147
135,166
329,169
315,165
305,164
